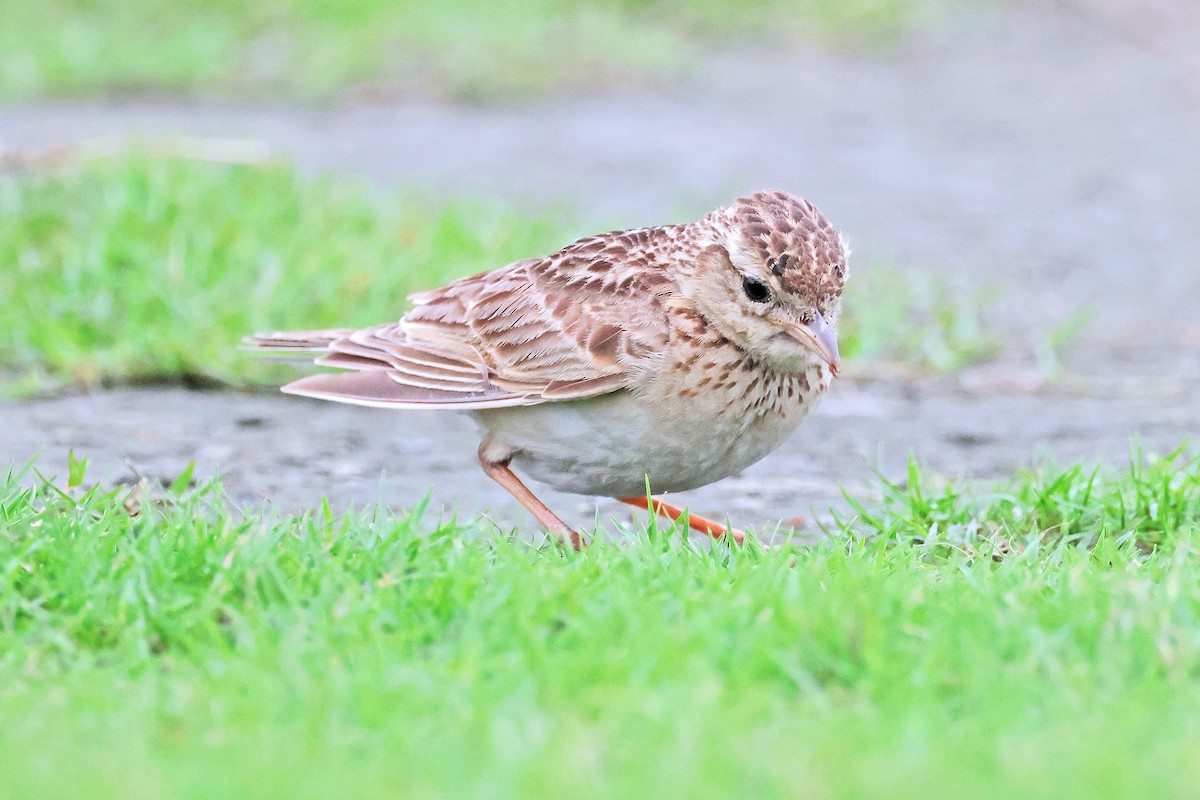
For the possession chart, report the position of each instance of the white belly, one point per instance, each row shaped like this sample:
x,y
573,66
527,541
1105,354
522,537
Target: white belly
x,y
610,445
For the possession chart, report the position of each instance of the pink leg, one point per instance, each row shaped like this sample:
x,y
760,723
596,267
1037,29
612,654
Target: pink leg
x,y
501,474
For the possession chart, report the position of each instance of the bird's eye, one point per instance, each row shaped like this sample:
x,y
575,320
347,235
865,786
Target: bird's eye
x,y
756,290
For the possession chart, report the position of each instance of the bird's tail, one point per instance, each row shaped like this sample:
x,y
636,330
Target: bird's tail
x,y
293,346
287,343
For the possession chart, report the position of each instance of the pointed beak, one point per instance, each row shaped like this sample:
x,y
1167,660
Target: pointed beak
x,y
819,337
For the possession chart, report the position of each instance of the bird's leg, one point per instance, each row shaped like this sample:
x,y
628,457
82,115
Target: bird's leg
x,y
698,524
501,474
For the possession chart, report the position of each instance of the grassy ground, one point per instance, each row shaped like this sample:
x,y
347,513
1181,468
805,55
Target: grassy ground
x,y
307,49
1034,640
146,270
134,269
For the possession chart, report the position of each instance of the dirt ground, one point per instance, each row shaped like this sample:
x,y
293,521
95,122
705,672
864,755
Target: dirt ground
x,y
1053,155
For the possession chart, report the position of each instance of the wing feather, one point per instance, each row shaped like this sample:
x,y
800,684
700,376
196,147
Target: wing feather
x,y
580,323
377,390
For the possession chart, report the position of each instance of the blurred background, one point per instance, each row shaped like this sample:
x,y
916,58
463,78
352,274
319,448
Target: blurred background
x,y
1017,180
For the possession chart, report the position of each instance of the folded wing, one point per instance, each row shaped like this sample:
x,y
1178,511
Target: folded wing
x,y
574,325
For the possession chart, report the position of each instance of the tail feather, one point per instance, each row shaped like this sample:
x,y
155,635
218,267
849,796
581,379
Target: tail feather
x,y
295,341
393,372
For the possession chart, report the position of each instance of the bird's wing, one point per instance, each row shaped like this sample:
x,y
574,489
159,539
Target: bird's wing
x,y
576,324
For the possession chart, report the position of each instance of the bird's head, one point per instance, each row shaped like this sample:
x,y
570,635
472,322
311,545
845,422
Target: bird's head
x,y
772,280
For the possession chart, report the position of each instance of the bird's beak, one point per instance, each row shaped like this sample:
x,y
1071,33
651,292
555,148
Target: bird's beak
x,y
819,337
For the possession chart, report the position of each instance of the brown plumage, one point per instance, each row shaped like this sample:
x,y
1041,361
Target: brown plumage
x,y
682,353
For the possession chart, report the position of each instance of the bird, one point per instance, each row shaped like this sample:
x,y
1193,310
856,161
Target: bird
x,y
661,358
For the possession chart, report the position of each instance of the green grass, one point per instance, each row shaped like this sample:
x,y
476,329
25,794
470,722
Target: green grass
x,y
1036,640
142,270
131,270
308,49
